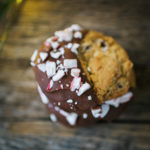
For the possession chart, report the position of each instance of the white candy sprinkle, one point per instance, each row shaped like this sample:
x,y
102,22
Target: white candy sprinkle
x,y
75,72
67,85
33,57
75,84
55,55
85,115
53,117
70,63
83,88
42,67
58,75
74,48
69,101
71,118
75,103
42,95
100,112
78,35
54,45
62,86
89,97
50,68
89,69
59,103
43,55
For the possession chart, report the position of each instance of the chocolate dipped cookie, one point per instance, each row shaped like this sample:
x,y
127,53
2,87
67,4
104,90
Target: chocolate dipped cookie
x,y
83,76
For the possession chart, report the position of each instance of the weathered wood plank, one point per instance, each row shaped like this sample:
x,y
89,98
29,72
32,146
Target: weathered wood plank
x,y
47,136
127,21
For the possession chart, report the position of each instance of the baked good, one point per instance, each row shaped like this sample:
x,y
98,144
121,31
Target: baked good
x,y
83,76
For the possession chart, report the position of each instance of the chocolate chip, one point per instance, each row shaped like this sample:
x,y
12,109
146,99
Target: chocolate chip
x,y
119,85
103,44
87,47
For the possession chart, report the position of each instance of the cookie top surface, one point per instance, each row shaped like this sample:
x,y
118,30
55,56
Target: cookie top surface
x,y
73,53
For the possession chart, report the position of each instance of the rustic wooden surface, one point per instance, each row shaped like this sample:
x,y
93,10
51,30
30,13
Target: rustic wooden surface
x,y
24,121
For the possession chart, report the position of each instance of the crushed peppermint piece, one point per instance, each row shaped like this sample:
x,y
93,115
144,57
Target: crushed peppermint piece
x,y
69,45
126,97
58,62
32,64
70,63
85,115
62,50
42,67
113,102
71,118
75,72
89,97
65,35
69,101
42,95
75,27
50,85
47,43
54,38
50,68
60,66
33,57
66,70
55,55
122,99
75,84
53,117
100,112
83,88
54,45
58,75
78,35
43,55
74,48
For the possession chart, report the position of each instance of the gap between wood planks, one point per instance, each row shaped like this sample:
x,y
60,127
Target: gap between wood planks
x,y
45,119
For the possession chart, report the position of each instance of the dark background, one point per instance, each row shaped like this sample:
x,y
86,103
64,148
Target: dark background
x,y
24,122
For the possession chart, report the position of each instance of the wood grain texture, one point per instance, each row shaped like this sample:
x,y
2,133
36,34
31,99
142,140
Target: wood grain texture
x,y
24,121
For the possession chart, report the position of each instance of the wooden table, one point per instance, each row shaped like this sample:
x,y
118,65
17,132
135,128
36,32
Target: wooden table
x,y
24,121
